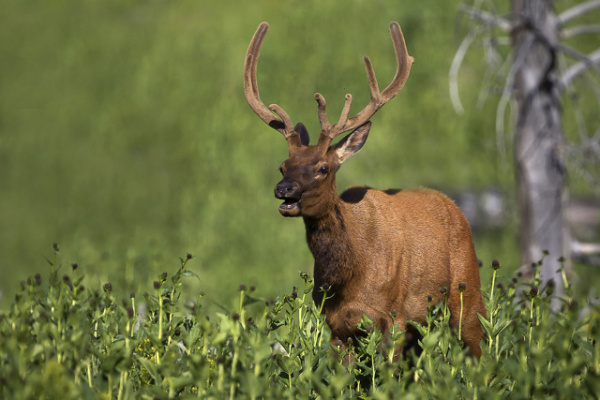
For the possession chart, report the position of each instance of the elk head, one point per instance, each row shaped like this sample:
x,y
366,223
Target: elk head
x,y
308,186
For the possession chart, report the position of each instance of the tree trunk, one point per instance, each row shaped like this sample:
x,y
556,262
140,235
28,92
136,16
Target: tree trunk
x,y
541,173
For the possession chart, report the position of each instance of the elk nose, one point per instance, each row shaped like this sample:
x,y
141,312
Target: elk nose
x,y
286,188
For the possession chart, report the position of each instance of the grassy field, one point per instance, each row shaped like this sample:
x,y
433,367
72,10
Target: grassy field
x,y
125,137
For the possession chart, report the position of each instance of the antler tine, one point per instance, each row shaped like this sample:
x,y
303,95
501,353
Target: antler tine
x,y
345,110
403,63
378,99
325,125
328,134
283,124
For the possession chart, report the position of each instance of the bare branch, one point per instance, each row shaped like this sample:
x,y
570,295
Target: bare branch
x,y
577,11
582,248
488,18
591,61
579,30
457,61
503,104
493,60
507,93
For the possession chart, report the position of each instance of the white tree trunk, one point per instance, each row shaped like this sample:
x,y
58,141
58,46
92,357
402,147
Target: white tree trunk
x,y
541,173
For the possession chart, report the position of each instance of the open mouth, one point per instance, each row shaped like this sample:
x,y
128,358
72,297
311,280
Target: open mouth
x,y
290,207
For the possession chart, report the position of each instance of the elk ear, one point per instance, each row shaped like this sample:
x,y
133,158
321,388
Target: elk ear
x,y
351,144
303,132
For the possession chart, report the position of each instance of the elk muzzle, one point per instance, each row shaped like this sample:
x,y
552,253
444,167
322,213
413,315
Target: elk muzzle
x,y
291,194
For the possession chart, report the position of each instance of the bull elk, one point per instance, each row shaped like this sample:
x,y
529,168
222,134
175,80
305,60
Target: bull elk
x,y
378,251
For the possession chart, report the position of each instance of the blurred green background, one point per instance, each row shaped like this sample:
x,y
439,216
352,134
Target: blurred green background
x,y
125,136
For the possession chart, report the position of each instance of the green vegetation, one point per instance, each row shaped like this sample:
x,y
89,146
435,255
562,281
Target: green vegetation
x,y
61,340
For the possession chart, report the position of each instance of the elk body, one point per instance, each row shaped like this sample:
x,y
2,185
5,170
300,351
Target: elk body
x,y
379,251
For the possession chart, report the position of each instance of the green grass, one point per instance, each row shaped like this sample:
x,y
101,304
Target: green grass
x,y
61,339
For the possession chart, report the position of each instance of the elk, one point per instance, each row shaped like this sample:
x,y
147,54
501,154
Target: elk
x,y
379,252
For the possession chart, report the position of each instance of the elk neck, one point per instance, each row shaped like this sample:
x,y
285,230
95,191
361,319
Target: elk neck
x,y
329,241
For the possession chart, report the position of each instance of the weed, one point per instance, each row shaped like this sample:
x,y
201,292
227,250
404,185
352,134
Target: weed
x,y
60,339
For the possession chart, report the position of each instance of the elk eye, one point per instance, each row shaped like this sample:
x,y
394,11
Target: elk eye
x,y
324,170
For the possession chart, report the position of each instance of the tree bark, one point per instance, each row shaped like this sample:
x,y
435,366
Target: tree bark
x,y
541,172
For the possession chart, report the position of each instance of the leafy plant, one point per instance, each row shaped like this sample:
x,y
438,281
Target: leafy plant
x,y
62,339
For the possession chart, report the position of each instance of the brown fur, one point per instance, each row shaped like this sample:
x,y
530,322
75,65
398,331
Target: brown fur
x,y
389,252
